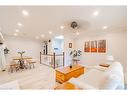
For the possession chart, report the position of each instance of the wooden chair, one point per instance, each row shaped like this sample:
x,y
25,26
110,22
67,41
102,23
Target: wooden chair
x,y
14,67
31,63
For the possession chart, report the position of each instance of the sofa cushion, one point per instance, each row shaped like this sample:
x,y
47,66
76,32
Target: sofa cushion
x,y
93,77
81,84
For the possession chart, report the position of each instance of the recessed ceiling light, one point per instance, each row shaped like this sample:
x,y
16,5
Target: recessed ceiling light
x,y
61,27
95,13
105,27
17,30
50,32
25,13
42,35
77,33
36,37
15,34
60,37
19,24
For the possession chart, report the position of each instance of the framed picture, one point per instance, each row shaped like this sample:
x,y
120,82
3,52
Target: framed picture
x,y
93,46
102,46
87,47
70,45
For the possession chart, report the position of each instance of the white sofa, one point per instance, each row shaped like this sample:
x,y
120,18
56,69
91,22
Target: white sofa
x,y
100,78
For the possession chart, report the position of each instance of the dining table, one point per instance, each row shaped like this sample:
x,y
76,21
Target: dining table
x,y
21,60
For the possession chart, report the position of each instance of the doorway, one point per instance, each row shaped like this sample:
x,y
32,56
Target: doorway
x,y
58,44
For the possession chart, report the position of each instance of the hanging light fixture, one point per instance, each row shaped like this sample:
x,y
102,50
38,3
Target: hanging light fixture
x,y
74,24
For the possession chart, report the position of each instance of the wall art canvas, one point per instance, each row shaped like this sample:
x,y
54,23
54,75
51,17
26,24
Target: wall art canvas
x,y
102,46
93,46
70,45
87,47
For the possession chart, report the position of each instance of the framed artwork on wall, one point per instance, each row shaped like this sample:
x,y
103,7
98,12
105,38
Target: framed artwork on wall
x,y
87,46
70,45
93,46
102,46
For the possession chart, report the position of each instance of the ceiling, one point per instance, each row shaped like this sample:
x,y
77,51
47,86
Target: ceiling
x,y
42,19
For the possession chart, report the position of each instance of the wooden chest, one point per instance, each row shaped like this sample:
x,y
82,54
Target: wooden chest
x,y
64,74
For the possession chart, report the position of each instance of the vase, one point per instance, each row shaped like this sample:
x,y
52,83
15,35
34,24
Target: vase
x,y
70,66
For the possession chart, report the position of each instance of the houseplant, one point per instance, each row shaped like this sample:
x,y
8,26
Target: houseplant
x,y
75,54
21,54
21,60
6,50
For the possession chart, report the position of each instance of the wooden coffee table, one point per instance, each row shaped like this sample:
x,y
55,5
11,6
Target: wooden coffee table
x,y
65,73
66,86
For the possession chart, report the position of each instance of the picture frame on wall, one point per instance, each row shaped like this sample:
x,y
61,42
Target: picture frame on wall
x,y
87,46
102,46
70,45
93,46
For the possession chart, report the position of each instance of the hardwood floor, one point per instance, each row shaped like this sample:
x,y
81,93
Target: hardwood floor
x,y
41,77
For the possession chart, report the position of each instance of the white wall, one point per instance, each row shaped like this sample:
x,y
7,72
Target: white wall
x,y
116,46
1,37
15,44
126,62
58,43
67,50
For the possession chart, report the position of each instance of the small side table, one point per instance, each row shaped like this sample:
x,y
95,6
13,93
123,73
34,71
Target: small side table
x,y
75,61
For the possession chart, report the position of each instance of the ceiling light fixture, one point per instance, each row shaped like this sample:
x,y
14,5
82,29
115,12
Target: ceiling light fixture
x,y
36,37
17,30
105,27
74,25
15,34
19,24
25,13
61,27
42,35
59,37
77,33
50,32
96,13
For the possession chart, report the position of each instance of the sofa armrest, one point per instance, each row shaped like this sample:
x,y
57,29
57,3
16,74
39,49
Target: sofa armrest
x,y
81,84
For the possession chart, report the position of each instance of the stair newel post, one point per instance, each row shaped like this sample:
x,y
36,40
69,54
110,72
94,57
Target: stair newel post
x,y
54,59
63,58
40,57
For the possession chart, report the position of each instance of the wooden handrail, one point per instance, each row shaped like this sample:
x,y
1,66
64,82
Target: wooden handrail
x,y
63,58
52,54
40,57
54,61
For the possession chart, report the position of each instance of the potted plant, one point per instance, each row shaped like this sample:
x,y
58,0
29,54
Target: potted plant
x,y
21,53
21,60
6,50
75,54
